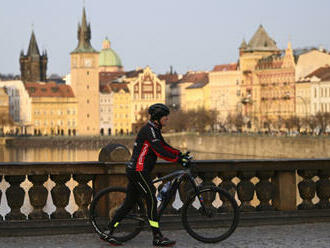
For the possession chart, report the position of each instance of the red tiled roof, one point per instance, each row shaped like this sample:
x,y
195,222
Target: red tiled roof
x,y
169,78
49,89
195,77
115,87
226,67
322,73
108,77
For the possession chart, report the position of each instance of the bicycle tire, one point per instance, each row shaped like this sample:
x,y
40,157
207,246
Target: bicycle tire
x,y
224,219
102,209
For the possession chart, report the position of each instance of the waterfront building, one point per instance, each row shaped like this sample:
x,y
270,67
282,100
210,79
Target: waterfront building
x,y
171,88
303,98
5,119
121,109
309,60
199,80
145,89
224,84
19,104
320,90
276,80
106,105
53,109
197,95
115,109
260,46
33,65
85,81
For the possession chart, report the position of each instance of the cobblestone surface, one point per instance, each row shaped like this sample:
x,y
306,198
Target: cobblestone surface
x,y
297,236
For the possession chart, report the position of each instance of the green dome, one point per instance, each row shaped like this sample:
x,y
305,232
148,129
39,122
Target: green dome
x,y
107,56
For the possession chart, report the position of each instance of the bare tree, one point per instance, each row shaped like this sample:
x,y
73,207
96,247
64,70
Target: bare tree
x,y
323,120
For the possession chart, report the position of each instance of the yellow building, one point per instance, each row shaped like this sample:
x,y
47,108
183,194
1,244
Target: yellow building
x,y
194,91
53,109
224,85
121,108
309,60
5,120
276,77
145,89
85,81
260,46
303,98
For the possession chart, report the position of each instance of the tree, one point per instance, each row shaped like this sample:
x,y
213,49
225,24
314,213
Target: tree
x,y
323,120
236,121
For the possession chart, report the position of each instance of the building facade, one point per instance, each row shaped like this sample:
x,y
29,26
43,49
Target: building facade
x,y
53,109
303,98
224,83
19,104
145,89
276,77
5,119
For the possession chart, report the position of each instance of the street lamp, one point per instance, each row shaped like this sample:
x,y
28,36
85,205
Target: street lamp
x,y
303,100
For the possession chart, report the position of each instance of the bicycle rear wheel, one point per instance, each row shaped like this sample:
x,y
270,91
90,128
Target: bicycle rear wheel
x,y
211,215
104,206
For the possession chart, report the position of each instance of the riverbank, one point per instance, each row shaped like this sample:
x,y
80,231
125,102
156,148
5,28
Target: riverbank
x,y
209,145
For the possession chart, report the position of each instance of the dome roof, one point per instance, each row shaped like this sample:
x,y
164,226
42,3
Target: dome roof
x,y
107,56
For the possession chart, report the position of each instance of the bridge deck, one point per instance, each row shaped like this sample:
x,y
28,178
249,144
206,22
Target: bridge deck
x,y
272,236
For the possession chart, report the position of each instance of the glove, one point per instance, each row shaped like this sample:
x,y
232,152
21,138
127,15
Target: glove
x,y
184,160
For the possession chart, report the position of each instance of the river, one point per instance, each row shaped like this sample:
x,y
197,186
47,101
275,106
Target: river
x,y
204,146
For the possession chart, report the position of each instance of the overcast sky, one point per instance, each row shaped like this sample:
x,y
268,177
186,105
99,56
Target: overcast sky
x,y
187,34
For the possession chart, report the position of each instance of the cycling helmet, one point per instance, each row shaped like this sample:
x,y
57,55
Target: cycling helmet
x,y
157,111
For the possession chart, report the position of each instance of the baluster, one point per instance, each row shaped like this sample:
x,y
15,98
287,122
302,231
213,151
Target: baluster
x,y
38,196
307,188
229,186
209,198
323,189
60,195
245,190
82,195
265,190
15,197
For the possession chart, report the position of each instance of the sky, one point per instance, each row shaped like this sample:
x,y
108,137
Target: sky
x,y
186,34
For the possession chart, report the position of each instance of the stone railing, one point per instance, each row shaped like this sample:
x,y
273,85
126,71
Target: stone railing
x,y
288,185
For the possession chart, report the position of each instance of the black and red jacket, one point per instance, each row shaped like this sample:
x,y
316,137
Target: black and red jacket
x,y
149,145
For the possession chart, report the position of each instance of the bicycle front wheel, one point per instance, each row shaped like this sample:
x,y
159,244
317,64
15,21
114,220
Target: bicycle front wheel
x,y
210,215
103,208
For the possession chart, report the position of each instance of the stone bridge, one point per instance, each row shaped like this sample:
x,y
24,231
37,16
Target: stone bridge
x,y
280,201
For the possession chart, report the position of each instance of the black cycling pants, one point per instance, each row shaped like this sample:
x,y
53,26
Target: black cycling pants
x,y
139,185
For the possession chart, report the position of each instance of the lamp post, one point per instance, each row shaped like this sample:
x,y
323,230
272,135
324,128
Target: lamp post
x,y
304,102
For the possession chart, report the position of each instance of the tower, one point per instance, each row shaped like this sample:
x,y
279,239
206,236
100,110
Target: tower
x,y
33,65
85,80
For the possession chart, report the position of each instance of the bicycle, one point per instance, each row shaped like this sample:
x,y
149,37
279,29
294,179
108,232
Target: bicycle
x,y
224,219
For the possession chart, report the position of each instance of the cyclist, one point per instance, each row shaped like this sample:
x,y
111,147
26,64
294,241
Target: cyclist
x,y
148,145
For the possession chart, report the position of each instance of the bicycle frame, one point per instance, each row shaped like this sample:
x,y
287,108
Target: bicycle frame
x,y
177,176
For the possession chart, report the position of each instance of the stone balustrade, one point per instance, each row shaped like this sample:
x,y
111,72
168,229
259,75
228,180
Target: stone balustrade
x,y
258,185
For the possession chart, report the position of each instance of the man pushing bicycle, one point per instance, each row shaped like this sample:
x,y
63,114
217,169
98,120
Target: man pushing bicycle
x,y
149,145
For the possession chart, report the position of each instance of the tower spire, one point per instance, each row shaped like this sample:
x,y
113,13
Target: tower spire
x,y
84,35
33,46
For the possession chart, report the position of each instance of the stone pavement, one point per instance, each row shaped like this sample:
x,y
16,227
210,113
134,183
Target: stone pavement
x,y
315,235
